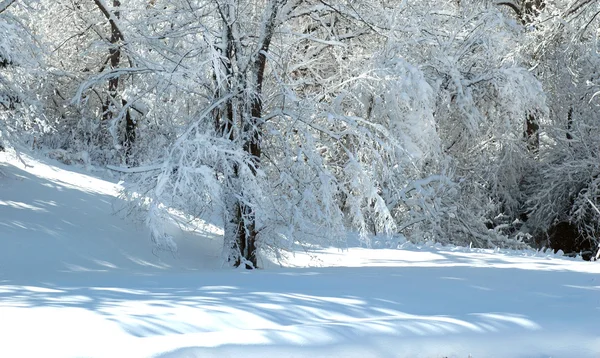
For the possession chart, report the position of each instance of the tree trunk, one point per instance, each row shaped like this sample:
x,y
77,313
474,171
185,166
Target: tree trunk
x,y
570,124
129,131
532,134
114,57
241,232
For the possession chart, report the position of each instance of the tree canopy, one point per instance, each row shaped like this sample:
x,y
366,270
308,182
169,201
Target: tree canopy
x,y
470,122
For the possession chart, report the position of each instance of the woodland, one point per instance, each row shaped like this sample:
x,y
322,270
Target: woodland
x,y
303,122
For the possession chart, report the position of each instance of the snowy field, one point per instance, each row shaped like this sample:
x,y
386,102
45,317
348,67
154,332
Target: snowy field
x,y
76,280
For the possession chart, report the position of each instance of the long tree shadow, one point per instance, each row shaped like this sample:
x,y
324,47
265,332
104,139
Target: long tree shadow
x,y
51,261
320,307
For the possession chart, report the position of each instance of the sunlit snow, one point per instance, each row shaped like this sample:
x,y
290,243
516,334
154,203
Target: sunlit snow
x,y
78,280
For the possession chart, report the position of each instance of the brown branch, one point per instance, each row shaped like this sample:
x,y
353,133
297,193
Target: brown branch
x,y
71,37
576,7
514,7
589,22
345,15
5,5
118,33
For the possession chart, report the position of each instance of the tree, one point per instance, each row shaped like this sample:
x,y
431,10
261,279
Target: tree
x,y
300,121
244,77
92,82
562,196
288,150
116,40
21,111
309,132
469,55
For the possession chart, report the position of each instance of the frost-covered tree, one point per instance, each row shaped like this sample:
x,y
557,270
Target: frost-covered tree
x,y
562,200
483,94
299,121
21,110
329,118
306,135
99,88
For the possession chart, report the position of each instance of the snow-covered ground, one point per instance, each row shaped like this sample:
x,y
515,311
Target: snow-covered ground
x,y
76,280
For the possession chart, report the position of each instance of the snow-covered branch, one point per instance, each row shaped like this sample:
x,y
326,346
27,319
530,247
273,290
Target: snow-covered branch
x,y
4,5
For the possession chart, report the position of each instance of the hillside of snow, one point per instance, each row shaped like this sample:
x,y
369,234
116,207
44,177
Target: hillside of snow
x,y
78,279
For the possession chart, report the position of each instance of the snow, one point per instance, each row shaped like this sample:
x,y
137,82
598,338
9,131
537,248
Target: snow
x,y
79,280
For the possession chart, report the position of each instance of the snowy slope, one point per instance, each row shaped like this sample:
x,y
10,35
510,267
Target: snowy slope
x,y
61,221
76,280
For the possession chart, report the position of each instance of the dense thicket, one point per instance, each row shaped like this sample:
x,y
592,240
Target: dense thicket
x,y
469,122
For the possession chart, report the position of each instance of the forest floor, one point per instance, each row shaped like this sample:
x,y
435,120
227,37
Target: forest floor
x,y
78,280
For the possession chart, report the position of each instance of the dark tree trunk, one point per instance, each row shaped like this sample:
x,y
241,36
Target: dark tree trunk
x,y
225,125
247,234
241,229
114,58
252,141
569,124
532,134
527,11
129,131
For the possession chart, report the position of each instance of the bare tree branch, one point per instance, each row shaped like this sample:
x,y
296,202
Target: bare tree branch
x,y
514,7
111,19
576,7
5,4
